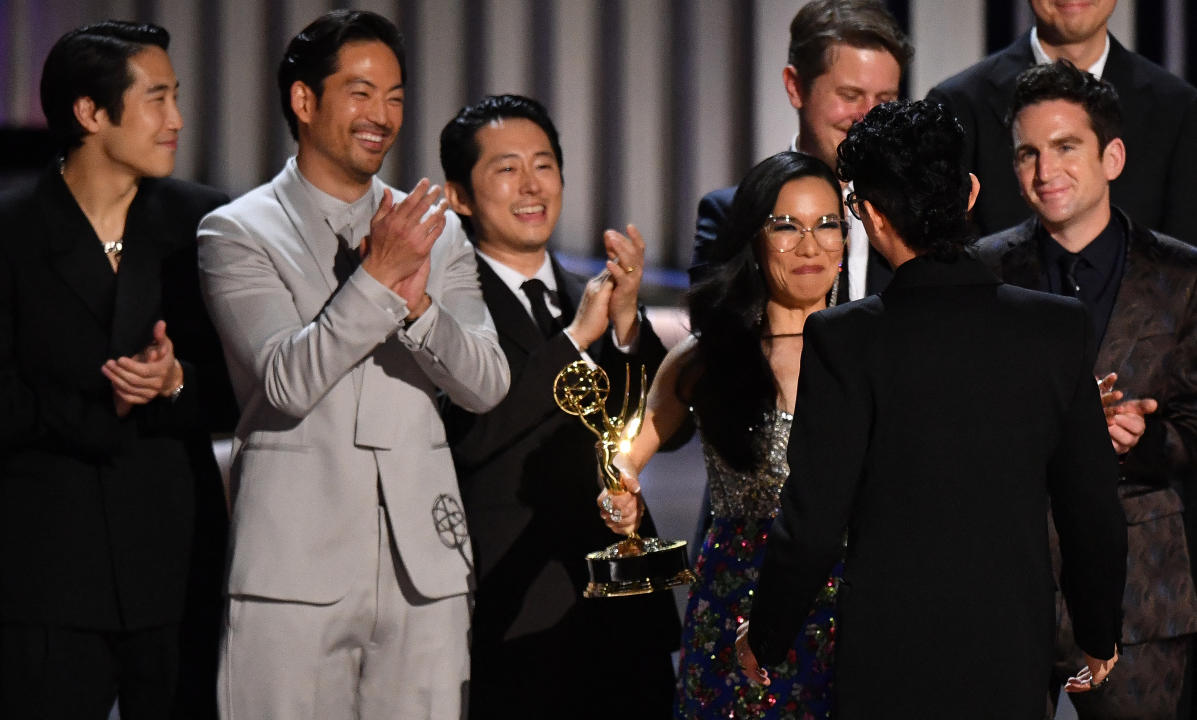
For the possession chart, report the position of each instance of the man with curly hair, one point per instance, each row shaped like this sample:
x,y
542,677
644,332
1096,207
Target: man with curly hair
x,y
933,424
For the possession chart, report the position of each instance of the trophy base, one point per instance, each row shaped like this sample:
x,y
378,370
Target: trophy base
x,y
638,566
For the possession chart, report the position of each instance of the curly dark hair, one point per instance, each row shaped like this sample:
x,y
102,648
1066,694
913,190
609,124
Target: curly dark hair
x,y
1062,80
733,384
907,159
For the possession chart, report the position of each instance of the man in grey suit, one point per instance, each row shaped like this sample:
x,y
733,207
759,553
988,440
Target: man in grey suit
x,y
343,314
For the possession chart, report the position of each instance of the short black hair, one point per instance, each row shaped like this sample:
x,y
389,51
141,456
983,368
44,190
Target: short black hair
x,y
93,62
312,54
907,159
1061,80
459,146
821,24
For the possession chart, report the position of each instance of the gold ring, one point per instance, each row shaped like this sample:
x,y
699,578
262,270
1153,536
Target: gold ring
x,y
631,269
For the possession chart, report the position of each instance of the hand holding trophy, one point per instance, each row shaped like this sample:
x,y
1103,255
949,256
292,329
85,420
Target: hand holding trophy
x,y
635,565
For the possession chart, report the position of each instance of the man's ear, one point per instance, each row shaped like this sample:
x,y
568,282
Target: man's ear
x,y
873,216
303,101
1113,158
88,115
793,85
459,199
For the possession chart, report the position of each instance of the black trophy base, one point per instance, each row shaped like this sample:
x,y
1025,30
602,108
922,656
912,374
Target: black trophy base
x,y
638,566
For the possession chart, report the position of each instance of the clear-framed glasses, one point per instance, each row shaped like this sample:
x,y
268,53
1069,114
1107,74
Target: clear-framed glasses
x,y
853,202
784,232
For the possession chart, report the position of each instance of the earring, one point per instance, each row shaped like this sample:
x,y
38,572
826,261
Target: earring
x,y
835,292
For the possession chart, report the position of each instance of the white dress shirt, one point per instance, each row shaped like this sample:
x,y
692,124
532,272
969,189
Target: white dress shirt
x,y
1041,58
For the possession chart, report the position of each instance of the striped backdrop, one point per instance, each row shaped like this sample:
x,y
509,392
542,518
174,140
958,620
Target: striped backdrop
x,y
658,101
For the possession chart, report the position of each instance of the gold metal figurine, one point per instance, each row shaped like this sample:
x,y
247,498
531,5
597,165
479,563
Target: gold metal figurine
x,y
635,565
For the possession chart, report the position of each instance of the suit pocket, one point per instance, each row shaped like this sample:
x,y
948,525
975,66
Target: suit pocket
x,y
1159,601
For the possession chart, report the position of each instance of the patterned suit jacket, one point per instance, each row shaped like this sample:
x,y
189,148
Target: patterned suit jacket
x,y
1151,342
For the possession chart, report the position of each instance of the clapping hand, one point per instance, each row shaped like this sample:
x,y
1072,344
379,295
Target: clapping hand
x,y
1124,420
626,266
397,253
153,372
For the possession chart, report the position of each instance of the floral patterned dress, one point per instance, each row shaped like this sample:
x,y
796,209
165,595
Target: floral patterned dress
x,y
710,682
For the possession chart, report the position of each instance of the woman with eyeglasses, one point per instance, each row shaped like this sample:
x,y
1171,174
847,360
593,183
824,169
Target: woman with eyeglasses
x,y
776,260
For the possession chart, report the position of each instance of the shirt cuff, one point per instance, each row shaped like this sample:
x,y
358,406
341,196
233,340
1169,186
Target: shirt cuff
x,y
634,343
380,295
581,351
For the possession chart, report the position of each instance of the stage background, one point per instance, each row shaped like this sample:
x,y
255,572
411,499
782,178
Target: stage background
x,y
658,101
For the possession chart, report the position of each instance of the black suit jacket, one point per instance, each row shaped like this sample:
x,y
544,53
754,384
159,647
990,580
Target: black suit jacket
x,y
933,423
712,211
97,511
1159,127
529,479
1151,342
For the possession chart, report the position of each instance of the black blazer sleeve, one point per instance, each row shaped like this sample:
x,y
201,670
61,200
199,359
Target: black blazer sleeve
x,y
712,211
1082,483
1179,219
207,401
827,448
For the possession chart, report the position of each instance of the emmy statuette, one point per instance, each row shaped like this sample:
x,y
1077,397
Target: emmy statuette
x,y
635,565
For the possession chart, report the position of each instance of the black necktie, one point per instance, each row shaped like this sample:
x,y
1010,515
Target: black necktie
x,y
345,261
1068,274
535,290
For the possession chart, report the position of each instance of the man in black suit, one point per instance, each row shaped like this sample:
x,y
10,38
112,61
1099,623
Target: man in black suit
x,y
110,375
1159,109
933,423
527,470
845,57
1141,291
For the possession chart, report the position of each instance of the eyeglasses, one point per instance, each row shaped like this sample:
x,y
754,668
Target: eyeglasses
x,y
853,202
784,232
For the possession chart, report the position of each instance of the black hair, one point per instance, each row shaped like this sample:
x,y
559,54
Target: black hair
x,y
734,386
459,146
92,62
820,25
907,159
312,54
1061,80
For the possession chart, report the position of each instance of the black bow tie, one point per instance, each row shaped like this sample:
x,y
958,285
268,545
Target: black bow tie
x,y
345,261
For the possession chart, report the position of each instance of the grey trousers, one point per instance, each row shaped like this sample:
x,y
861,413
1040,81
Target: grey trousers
x,y
382,651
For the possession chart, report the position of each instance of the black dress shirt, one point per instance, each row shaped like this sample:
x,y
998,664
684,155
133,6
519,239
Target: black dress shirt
x,y
1098,271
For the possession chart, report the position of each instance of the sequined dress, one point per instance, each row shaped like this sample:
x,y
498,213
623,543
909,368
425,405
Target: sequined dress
x,y
710,683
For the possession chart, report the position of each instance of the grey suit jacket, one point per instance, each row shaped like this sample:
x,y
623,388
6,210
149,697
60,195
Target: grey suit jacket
x,y
338,399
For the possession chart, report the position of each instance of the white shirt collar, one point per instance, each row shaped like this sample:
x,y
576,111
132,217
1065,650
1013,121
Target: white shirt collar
x,y
513,279
351,220
1041,58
